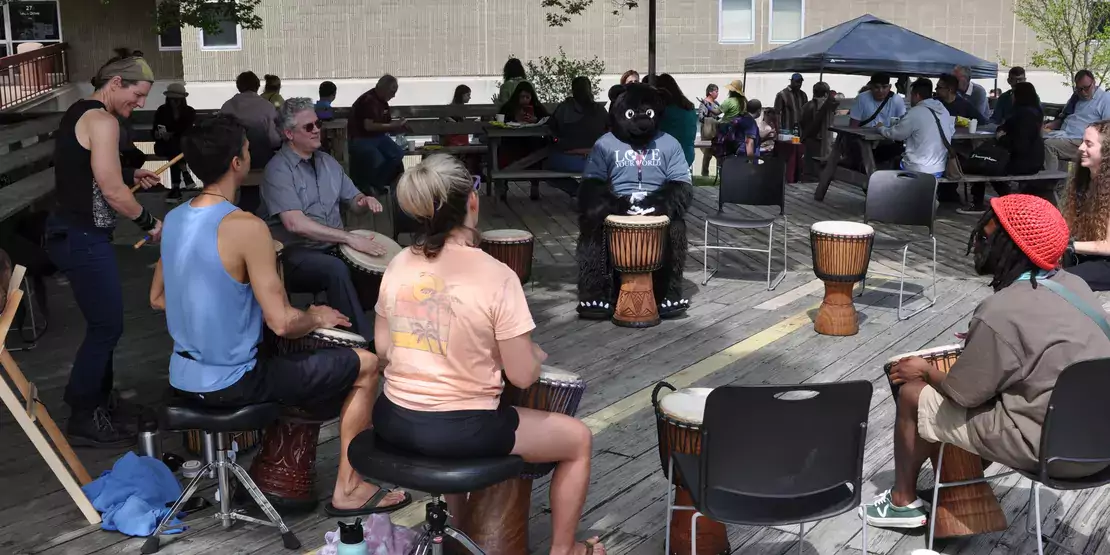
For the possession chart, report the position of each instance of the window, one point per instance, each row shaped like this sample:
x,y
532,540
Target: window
x,y
34,21
170,40
1100,17
737,23
787,17
228,37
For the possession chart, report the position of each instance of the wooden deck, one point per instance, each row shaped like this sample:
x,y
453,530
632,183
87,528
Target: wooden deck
x,y
736,332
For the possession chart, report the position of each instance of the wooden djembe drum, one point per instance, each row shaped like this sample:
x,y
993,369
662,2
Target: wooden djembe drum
x,y
636,244
496,518
678,419
367,270
841,253
961,510
513,247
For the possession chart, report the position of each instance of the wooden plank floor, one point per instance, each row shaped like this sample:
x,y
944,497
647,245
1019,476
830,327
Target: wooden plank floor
x,y
736,332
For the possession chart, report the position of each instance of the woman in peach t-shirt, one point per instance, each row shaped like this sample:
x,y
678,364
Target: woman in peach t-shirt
x,y
449,319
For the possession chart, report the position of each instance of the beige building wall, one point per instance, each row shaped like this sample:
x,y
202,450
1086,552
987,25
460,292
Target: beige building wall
x,y
93,28
355,39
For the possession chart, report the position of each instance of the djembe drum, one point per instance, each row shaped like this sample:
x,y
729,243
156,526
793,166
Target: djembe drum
x,y
285,466
841,253
366,270
961,510
512,247
496,518
636,245
678,418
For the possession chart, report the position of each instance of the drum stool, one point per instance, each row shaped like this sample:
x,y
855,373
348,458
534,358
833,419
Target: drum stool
x,y
375,459
182,415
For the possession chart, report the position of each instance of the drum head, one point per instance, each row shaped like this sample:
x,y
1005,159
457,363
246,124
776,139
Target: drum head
x,y
367,262
506,236
851,229
637,220
552,374
925,353
686,405
340,335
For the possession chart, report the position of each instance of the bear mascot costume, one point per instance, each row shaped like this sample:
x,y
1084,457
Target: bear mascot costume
x,y
633,170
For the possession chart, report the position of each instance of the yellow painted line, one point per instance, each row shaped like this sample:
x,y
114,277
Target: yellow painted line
x,y
601,420
792,295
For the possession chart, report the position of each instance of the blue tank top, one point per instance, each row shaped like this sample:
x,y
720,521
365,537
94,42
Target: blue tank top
x,y
215,321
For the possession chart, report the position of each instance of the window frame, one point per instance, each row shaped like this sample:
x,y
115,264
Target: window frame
x,y
12,42
771,24
721,25
164,48
238,36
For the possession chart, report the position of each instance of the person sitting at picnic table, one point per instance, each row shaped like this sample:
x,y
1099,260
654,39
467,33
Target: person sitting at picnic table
x,y
1020,135
768,130
578,122
789,103
993,400
924,150
709,110
328,91
957,105
630,76
741,135
1004,104
172,120
272,92
512,75
1087,209
460,97
974,93
523,106
680,119
376,159
1089,104
877,105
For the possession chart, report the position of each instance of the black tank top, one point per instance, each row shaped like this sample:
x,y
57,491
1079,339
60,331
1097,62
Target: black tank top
x,y
79,200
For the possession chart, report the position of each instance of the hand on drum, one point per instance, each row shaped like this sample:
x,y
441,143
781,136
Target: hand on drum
x,y
364,244
370,203
909,370
328,317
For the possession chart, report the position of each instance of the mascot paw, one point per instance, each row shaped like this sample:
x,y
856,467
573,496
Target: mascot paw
x,y
595,310
673,309
640,211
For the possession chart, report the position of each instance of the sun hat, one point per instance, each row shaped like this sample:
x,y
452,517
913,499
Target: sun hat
x,y
176,90
1035,225
736,86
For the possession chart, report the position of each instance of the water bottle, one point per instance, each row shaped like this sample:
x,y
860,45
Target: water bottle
x,y
351,540
150,444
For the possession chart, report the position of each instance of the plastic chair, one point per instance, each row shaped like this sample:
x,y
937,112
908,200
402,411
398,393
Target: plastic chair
x,y
908,199
802,463
1076,430
744,183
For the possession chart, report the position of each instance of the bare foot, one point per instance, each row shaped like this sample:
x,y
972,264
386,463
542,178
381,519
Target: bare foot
x,y
362,493
591,546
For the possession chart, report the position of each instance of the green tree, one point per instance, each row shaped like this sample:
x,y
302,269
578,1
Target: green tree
x,y
1075,35
551,76
560,11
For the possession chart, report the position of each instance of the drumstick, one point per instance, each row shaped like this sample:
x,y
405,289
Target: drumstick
x,y
159,171
162,169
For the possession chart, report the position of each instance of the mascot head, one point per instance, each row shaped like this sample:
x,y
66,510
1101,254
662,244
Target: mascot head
x,y
635,111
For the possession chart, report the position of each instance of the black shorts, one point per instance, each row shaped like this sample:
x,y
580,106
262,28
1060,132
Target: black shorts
x,y
316,382
457,434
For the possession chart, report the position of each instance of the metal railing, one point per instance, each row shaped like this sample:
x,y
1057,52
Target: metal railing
x,y
31,74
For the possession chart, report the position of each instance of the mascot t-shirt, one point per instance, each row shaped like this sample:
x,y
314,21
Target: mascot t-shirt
x,y
629,169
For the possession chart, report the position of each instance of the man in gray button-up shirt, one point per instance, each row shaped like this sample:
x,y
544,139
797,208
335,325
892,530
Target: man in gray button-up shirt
x,y
301,192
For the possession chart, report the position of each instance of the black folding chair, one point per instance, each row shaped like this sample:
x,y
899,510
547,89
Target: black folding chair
x,y
797,459
903,198
745,183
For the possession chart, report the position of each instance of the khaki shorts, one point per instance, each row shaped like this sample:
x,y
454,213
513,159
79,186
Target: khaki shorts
x,y
939,420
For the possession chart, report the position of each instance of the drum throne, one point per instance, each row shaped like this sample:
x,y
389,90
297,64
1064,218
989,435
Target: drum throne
x,y
598,281
217,425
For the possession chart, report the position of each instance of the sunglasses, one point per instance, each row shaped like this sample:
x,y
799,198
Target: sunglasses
x,y
310,127
477,183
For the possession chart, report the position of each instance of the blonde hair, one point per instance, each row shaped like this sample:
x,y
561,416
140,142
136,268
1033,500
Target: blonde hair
x,y
435,193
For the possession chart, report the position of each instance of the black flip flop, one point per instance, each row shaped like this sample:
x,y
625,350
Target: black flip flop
x,y
370,507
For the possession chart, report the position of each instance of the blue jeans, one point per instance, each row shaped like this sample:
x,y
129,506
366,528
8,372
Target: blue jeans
x,y
374,162
88,260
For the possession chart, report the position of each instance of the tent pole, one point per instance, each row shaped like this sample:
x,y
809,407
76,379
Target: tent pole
x,y
651,39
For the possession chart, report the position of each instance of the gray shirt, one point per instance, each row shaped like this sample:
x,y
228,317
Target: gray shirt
x,y
314,186
630,170
256,113
977,96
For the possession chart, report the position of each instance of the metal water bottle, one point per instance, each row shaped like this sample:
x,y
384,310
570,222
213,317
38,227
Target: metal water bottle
x,y
351,539
150,444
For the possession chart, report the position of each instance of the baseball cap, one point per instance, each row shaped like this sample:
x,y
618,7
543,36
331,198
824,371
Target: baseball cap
x,y
796,77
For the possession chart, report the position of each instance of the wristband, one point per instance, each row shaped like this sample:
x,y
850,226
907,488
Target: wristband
x,y
145,221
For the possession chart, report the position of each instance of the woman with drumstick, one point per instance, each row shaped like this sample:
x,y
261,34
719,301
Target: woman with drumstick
x,y
449,318
1087,209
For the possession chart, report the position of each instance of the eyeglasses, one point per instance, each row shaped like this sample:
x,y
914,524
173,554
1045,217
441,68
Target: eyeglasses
x,y
310,127
477,183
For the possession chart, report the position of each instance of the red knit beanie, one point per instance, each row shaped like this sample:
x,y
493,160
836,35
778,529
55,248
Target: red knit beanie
x,y
1035,225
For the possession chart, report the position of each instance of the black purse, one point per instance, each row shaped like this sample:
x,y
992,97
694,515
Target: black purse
x,y
989,158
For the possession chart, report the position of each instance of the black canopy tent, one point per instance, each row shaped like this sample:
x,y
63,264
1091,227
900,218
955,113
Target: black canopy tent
x,y
868,45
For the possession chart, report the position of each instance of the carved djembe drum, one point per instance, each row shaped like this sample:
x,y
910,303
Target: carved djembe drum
x,y
367,270
496,518
841,253
636,245
678,419
513,247
961,510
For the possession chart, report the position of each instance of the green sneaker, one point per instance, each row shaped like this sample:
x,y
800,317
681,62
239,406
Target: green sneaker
x,y
884,514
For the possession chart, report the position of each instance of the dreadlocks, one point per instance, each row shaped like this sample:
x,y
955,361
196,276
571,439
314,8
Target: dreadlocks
x,y
997,254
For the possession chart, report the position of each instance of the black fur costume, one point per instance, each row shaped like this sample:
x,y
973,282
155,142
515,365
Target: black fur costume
x,y
635,111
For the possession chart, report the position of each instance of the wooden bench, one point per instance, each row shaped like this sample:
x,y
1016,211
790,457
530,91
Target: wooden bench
x,y
26,192
1044,174
523,175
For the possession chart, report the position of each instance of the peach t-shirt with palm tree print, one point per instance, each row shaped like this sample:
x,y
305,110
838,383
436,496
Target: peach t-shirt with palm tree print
x,y
445,318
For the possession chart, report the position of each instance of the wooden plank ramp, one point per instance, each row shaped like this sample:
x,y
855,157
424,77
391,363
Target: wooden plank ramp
x,y
736,332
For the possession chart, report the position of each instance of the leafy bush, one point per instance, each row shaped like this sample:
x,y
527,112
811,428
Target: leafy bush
x,y
551,75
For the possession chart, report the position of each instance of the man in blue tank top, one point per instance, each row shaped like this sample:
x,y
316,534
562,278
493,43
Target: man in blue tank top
x,y
218,282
